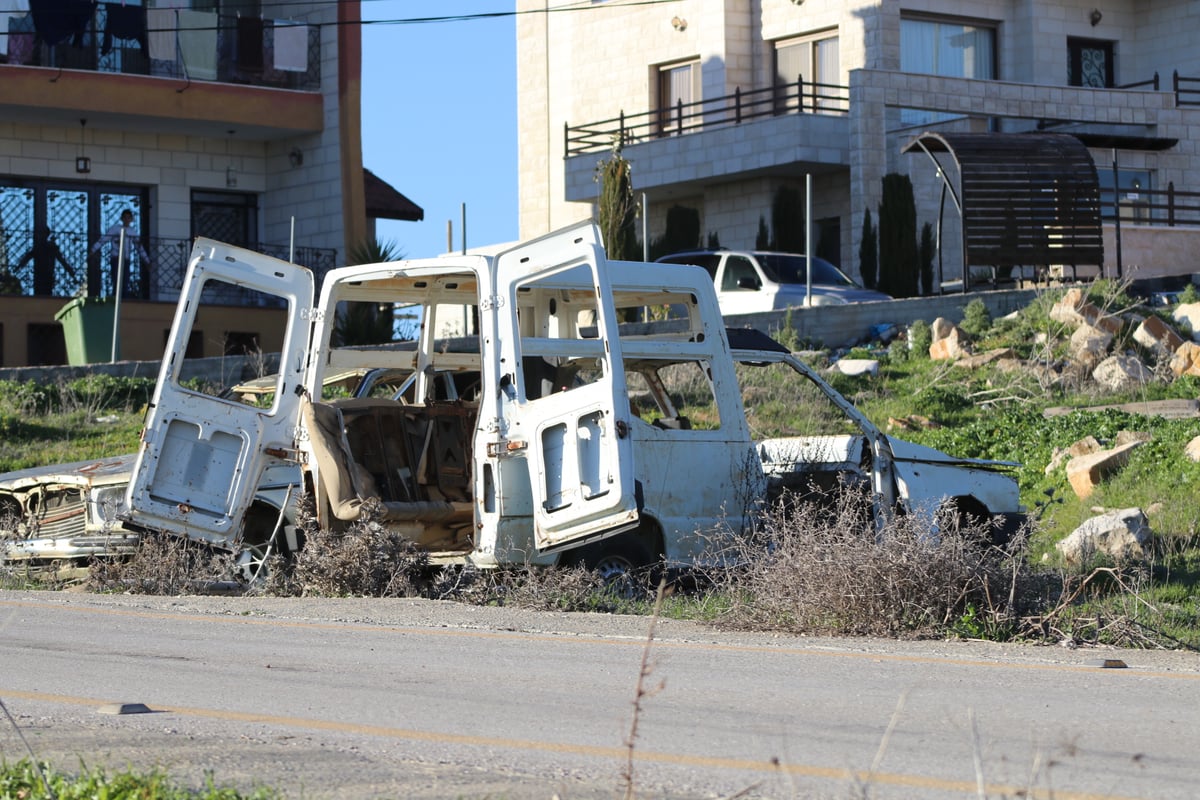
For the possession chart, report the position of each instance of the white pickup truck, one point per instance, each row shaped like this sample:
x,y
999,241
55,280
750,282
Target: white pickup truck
x,y
569,437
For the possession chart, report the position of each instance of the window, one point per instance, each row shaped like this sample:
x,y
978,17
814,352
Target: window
x,y
50,228
1133,197
230,217
1090,63
808,61
953,49
739,275
678,87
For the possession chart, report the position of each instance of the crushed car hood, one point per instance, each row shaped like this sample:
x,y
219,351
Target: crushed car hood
x,y
96,472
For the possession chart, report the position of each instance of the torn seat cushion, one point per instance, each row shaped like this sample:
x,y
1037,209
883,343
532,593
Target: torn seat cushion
x,y
346,482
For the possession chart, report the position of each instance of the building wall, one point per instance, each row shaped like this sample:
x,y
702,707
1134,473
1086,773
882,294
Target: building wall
x,y
588,66
174,164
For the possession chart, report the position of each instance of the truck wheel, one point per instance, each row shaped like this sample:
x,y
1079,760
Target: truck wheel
x,y
624,564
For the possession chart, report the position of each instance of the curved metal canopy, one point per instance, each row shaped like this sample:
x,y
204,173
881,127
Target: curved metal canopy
x,y
1026,199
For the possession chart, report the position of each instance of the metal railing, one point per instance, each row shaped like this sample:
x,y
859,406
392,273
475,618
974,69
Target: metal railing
x,y
1168,207
63,265
800,97
92,49
742,106
1187,90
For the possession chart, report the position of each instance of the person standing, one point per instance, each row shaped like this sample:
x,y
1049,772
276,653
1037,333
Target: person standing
x,y
121,248
45,254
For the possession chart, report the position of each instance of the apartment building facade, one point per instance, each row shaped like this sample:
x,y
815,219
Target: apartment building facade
x,y
720,103
237,120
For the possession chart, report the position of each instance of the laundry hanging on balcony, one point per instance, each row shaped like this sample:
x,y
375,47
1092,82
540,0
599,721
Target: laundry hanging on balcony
x,y
161,24
250,44
9,10
19,41
124,22
291,47
198,43
58,20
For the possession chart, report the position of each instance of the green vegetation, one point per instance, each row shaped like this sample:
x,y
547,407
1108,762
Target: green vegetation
x,y
86,418
25,780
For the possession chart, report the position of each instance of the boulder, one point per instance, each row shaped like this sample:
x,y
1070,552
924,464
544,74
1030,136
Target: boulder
x,y
1192,450
857,366
1073,309
1121,535
948,348
1085,472
1186,360
1089,345
1083,447
1117,373
1157,336
941,328
981,359
1066,310
1188,314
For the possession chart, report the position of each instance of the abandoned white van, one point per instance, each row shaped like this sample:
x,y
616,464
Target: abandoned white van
x,y
569,437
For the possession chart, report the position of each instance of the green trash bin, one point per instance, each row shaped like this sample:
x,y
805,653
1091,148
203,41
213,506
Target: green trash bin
x,y
88,329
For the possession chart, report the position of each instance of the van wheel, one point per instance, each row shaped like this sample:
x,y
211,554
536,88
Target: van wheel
x,y
624,564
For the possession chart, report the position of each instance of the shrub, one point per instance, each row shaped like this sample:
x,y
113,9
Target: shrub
x,y
821,567
976,320
920,337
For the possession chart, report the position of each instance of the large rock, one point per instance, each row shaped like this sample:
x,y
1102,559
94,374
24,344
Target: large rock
x,y
1089,345
1085,472
949,347
1122,535
855,367
1186,360
941,327
1188,314
1117,373
1066,310
1192,451
1157,336
981,359
1073,309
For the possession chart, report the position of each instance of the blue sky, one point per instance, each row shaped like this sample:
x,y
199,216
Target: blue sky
x,y
440,119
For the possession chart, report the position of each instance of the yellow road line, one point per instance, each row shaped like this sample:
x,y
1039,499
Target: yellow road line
x,y
617,753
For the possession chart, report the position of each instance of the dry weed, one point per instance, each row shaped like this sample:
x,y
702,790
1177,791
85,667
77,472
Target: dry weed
x,y
165,565
365,560
822,567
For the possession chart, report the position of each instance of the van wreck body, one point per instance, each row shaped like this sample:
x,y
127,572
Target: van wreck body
x,y
567,437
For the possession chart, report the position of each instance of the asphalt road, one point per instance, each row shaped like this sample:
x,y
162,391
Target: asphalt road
x,y
362,698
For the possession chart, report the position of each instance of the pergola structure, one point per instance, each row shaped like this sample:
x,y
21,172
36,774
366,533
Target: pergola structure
x,y
1025,199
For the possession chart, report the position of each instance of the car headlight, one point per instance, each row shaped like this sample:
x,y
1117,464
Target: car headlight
x,y
827,300
108,502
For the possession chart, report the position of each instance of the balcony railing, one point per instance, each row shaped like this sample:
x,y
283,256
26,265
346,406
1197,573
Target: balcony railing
x,y
1168,207
65,266
172,43
799,97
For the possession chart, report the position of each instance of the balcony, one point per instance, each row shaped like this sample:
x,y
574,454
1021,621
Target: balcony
x,y
180,71
65,267
786,129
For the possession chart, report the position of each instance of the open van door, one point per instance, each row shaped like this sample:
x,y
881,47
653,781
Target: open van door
x,y
566,402
202,455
